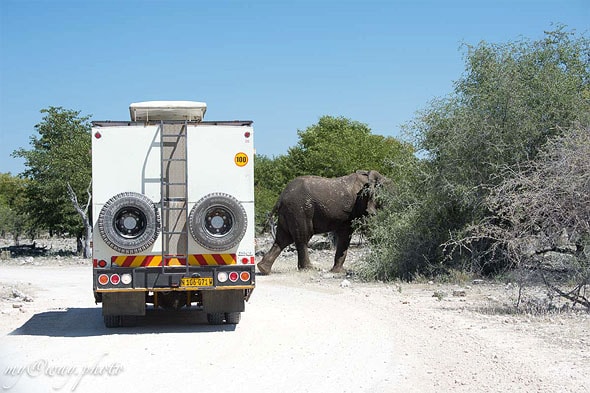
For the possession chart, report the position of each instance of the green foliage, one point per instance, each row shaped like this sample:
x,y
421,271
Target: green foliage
x,y
12,220
333,147
338,146
510,100
60,155
406,233
272,173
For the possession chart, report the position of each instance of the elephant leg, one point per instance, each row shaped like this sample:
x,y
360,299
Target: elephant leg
x,y
282,240
302,256
265,265
342,242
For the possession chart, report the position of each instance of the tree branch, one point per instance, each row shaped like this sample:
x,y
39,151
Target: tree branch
x,y
74,199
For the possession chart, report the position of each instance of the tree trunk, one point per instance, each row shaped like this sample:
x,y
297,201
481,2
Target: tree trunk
x,y
88,240
79,246
83,212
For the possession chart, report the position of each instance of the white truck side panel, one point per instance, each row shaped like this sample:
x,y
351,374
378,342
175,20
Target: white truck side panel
x,y
211,153
125,159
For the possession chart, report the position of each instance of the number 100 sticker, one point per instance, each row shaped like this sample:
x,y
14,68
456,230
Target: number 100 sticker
x,y
241,159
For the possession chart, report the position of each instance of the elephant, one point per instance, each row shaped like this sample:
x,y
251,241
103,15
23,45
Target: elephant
x,y
312,205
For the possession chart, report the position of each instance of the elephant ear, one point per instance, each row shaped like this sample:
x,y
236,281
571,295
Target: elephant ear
x,y
372,178
364,177
375,178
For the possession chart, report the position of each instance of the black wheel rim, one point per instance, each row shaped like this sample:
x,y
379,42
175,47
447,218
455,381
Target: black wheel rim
x,y
218,221
130,222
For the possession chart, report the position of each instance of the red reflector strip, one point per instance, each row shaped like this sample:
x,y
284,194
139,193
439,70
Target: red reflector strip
x,y
212,259
137,260
156,260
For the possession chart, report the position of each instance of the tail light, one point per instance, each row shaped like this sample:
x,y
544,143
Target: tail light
x,y
222,277
115,279
233,276
103,279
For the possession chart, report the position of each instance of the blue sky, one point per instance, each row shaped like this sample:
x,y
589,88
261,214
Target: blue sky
x,y
283,64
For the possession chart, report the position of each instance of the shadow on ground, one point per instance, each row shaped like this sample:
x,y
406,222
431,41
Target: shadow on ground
x,y
87,322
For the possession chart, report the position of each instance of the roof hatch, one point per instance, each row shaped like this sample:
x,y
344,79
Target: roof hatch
x,y
167,110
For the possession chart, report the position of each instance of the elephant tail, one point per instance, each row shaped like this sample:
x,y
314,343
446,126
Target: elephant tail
x,y
271,223
274,210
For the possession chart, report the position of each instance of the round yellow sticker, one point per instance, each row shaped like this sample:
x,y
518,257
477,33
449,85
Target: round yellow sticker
x,y
241,159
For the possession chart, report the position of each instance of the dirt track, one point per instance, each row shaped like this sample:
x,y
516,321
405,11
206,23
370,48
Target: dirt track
x,y
301,332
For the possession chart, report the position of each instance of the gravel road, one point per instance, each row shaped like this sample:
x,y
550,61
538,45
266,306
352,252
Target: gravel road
x,y
302,332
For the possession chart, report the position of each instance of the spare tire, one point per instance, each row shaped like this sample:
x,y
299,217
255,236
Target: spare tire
x,y
129,223
218,222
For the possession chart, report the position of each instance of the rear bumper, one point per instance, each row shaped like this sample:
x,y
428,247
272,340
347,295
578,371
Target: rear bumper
x,y
155,279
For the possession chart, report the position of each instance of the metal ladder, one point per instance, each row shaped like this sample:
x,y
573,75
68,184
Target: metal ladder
x,y
174,193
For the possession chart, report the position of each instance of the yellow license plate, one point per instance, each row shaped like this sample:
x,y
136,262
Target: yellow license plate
x,y
196,282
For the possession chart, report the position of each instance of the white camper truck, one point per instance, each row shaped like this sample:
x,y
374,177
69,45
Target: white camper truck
x,y
173,213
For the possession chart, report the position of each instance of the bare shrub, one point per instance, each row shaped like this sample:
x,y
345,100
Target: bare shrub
x,y
540,218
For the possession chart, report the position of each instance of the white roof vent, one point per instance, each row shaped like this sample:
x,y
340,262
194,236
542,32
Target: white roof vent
x,y
167,110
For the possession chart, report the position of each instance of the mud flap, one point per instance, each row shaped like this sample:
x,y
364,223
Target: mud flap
x,y
123,303
225,301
